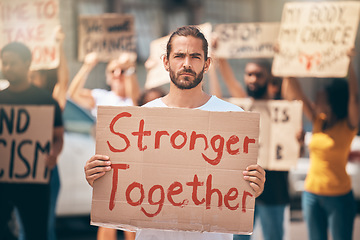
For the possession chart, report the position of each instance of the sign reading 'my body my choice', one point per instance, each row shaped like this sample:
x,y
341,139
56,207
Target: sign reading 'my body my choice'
x,y
25,140
33,23
176,169
314,39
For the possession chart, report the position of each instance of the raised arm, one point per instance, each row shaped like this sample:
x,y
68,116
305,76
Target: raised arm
x,y
353,107
77,92
233,85
214,84
60,89
291,90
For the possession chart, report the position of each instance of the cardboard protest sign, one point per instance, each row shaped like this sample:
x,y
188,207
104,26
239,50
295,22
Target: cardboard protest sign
x,y
108,35
280,121
156,73
33,23
25,139
314,38
246,40
175,169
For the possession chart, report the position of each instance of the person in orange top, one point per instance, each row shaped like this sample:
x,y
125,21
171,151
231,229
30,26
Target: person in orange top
x,y
328,200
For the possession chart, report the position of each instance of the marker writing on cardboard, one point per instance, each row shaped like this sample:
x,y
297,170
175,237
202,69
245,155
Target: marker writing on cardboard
x,y
178,140
18,122
217,142
176,188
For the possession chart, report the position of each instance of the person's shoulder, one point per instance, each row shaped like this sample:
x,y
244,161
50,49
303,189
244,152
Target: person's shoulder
x,y
217,104
155,103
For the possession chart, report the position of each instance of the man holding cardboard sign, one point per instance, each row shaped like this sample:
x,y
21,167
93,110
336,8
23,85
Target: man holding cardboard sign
x,y
186,60
17,186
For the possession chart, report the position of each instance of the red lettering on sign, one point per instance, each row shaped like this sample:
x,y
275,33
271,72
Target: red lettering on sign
x,y
123,136
129,190
193,138
210,191
245,195
232,140
195,184
219,150
140,134
116,167
46,9
247,141
151,201
175,189
158,134
173,139
228,197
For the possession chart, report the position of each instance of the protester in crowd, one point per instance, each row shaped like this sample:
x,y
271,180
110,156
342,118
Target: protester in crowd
x,y
150,94
56,82
186,61
271,205
274,88
124,89
120,76
328,201
31,200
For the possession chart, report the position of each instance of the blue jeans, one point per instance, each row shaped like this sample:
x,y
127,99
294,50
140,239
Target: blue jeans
x,y
336,213
271,219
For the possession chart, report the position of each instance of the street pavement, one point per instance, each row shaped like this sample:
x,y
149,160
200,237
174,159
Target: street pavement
x,y
80,228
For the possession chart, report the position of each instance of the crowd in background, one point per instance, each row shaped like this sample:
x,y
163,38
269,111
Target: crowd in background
x,y
328,201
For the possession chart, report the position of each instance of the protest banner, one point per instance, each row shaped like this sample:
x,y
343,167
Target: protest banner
x,y
33,23
156,73
175,169
108,35
246,40
25,140
314,38
280,121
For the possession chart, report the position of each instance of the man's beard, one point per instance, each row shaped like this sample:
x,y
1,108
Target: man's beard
x,y
186,83
258,93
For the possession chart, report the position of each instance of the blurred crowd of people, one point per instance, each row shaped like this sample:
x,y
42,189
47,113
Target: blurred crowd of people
x,y
328,201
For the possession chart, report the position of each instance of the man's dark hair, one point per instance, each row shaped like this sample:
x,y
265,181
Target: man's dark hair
x,y
185,32
19,48
338,97
264,63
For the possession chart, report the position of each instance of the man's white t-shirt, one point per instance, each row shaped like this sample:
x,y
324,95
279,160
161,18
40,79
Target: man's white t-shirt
x,y
108,98
216,105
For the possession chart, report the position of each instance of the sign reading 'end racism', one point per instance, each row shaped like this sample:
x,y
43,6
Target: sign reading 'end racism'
x,y
179,169
25,140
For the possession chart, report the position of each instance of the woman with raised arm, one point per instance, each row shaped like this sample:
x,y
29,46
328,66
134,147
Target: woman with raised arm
x,y
328,200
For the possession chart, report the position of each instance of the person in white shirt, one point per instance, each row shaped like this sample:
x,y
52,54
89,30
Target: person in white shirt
x,y
120,76
186,61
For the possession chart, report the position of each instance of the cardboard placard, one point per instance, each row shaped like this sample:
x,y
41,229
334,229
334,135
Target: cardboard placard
x,y
175,169
314,39
32,23
280,121
108,35
26,133
156,73
246,40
